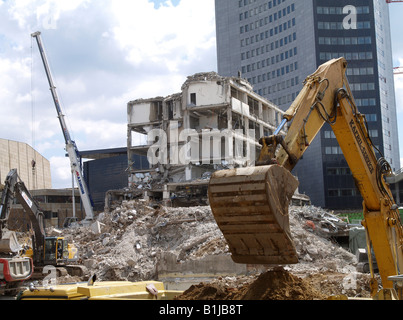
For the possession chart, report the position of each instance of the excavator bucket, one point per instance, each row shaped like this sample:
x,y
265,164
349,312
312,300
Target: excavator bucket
x,y
9,243
250,206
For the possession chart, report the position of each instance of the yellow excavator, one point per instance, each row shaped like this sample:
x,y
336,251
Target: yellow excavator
x,y
250,204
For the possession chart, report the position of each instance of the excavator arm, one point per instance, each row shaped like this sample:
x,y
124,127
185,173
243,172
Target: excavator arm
x,y
15,188
250,205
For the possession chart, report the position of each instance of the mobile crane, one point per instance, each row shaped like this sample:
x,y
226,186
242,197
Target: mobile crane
x,y
45,250
71,147
250,205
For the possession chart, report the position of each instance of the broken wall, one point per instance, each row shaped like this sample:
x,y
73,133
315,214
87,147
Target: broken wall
x,y
142,112
205,94
207,112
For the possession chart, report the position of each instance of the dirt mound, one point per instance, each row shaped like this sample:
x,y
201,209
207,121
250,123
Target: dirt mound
x,y
207,291
277,284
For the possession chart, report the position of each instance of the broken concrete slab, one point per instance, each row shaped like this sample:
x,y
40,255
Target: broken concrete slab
x,y
96,227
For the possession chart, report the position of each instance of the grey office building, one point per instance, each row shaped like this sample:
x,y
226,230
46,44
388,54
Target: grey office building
x,y
277,44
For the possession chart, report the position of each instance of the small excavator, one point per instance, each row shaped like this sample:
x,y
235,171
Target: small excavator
x,y
14,268
250,204
45,251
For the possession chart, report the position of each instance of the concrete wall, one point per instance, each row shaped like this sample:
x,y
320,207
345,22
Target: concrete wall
x,y
206,93
18,155
180,276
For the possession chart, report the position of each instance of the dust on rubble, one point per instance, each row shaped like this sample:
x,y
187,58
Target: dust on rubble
x,y
134,235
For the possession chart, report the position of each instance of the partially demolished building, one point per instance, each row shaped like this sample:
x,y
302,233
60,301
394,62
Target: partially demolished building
x,y
214,123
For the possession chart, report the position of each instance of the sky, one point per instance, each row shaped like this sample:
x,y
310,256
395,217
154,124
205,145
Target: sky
x,y
103,54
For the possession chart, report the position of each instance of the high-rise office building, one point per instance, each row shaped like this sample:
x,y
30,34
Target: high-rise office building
x,y
276,44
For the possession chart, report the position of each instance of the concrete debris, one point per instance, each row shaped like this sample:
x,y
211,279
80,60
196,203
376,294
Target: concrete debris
x,y
323,223
203,76
316,251
134,235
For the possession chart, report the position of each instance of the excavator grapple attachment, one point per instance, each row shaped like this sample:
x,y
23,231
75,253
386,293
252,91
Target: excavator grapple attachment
x,y
9,242
250,206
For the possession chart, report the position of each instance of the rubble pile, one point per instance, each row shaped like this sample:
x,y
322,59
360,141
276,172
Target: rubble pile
x,y
134,235
317,253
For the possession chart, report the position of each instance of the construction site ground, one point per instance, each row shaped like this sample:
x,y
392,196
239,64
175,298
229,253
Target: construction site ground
x,y
184,248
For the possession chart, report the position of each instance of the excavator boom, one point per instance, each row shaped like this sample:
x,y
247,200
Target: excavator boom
x,y
250,205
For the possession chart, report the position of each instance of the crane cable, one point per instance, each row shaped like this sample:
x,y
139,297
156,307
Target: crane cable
x,y
33,162
32,96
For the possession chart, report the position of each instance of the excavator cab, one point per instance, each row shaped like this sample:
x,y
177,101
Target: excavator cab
x,y
58,251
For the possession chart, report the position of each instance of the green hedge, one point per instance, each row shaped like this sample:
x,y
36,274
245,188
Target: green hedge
x,y
359,215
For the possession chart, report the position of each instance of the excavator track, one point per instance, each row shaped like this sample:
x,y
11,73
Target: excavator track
x,y
250,206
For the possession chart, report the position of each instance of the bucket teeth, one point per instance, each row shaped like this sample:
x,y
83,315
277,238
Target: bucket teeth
x,y
250,206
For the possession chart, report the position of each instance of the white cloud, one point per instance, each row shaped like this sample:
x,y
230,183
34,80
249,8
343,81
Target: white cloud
x,y
171,37
14,96
46,12
101,134
61,172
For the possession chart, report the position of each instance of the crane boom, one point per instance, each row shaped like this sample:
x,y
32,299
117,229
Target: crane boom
x,y
71,147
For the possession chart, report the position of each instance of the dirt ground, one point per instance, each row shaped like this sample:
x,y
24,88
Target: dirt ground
x,y
280,284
